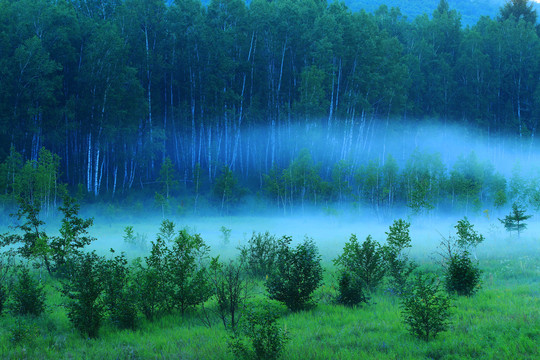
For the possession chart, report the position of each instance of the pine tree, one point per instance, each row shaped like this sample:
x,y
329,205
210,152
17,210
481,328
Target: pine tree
x,y
515,220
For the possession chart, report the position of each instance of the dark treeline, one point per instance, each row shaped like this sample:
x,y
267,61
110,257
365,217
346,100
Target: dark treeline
x,y
115,88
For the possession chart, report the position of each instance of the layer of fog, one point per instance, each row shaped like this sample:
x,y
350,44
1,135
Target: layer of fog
x,y
331,230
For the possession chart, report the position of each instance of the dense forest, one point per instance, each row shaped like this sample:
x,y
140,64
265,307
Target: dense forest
x,y
283,99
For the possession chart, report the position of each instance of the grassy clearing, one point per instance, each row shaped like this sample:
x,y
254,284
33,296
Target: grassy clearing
x,y
501,321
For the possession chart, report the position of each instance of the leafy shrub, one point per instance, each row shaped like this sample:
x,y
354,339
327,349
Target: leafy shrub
x,y
3,297
462,276
297,274
364,261
260,253
398,265
84,290
151,282
73,235
231,289
186,272
119,298
28,295
350,290
22,333
261,338
173,277
425,309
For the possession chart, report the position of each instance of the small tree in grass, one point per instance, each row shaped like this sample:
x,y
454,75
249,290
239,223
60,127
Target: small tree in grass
x,y
84,288
350,291
515,220
462,275
28,295
297,274
398,265
425,310
260,337
260,253
364,261
231,287
119,298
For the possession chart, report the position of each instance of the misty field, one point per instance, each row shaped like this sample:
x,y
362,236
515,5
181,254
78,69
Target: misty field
x,y
500,321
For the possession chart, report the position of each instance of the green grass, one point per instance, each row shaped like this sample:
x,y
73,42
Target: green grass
x,y
501,321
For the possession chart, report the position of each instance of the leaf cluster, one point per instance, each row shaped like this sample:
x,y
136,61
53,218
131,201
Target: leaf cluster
x,y
297,274
426,311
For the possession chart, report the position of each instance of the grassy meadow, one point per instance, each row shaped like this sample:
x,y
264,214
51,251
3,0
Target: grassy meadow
x,y
501,321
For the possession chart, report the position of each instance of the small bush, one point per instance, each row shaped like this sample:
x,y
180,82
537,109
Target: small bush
x,y
260,338
231,288
260,253
22,332
462,276
297,274
152,285
28,295
119,299
84,291
3,297
425,310
364,261
350,290
398,265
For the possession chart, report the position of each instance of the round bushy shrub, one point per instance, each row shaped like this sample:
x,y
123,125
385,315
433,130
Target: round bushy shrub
x,y
28,295
350,290
425,309
462,275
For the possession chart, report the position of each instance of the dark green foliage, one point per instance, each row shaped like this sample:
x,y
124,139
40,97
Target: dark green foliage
x,y
515,220
260,337
6,265
186,272
119,297
518,10
73,234
364,261
398,265
260,253
231,287
462,276
297,273
23,332
34,241
152,283
173,278
3,297
84,290
426,311
28,295
350,290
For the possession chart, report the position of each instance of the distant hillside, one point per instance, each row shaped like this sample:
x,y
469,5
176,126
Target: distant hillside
x,y
470,10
